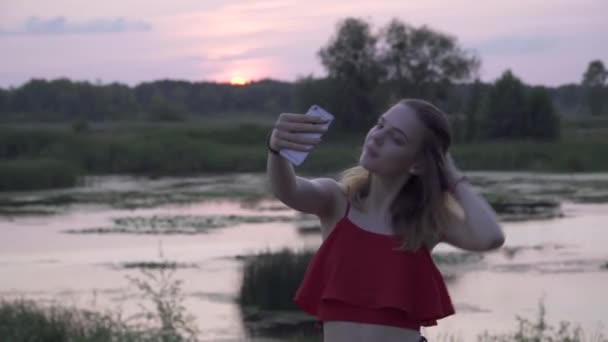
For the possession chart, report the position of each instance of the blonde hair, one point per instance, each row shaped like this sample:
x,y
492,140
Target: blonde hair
x,y
419,212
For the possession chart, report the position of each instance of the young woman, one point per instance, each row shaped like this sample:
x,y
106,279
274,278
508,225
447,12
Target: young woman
x,y
373,278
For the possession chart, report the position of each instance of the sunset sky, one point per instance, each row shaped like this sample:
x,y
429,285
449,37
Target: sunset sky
x,y
130,41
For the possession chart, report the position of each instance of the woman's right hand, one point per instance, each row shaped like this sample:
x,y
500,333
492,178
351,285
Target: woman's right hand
x,y
288,128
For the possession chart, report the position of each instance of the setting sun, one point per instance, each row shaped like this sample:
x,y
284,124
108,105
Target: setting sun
x,y
237,80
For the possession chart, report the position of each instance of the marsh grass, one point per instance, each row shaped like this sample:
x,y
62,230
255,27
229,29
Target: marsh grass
x,y
271,278
540,330
232,146
30,174
162,317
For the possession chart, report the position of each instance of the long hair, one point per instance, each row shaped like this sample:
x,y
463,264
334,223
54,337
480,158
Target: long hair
x,y
419,212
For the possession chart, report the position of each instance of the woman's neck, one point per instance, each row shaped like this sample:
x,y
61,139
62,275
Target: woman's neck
x,y
383,191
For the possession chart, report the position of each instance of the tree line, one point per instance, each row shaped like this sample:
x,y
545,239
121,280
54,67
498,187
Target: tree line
x,y
367,70
165,100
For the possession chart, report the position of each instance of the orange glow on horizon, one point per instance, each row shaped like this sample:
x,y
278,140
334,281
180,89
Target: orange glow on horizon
x,y
238,80
244,72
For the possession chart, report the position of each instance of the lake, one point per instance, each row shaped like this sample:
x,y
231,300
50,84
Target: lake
x,y
73,246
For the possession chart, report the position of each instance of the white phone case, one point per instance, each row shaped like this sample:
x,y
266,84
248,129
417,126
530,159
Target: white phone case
x,y
297,157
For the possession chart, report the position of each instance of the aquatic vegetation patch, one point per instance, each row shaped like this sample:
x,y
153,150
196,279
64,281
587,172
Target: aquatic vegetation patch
x,y
156,265
309,229
551,267
456,258
511,251
513,207
176,224
124,199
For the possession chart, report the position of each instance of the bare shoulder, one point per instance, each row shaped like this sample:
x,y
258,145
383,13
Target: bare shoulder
x,y
336,191
338,204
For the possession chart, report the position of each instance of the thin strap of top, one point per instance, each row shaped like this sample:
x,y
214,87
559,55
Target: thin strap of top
x,y
347,208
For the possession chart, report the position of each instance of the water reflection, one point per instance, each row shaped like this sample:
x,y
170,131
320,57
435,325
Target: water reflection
x,y
559,260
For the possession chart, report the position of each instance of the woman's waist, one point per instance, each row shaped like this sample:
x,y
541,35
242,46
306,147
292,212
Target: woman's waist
x,y
337,310
367,332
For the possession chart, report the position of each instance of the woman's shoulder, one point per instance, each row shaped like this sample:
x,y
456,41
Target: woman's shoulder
x,y
338,207
336,188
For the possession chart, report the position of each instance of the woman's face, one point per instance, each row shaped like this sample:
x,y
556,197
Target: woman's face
x,y
391,145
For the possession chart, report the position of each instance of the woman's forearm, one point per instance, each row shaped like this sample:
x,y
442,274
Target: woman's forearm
x,y
281,176
479,215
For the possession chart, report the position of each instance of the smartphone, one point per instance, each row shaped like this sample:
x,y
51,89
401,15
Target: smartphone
x,y
297,157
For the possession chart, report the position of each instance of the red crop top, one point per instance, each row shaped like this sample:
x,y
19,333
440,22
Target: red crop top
x,y
356,276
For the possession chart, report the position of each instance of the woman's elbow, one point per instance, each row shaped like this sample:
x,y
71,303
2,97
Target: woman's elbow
x,y
497,241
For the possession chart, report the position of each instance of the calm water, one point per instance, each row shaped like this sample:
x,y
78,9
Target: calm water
x,y
556,260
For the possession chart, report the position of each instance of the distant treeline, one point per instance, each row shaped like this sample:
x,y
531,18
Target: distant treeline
x,y
66,100
115,128
63,99
367,71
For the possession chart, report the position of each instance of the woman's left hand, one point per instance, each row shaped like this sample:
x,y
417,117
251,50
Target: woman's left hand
x,y
478,229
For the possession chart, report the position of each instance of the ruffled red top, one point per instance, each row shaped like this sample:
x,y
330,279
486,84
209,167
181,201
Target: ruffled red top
x,y
357,275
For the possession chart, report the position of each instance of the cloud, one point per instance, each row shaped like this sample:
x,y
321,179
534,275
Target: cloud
x,y
61,25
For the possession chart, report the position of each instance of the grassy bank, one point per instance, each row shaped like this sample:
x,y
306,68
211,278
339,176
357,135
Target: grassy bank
x,y
24,320
194,148
29,174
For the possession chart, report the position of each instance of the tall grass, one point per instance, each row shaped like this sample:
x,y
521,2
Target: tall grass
x,y
197,147
542,331
162,316
572,156
26,320
167,319
37,174
270,279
